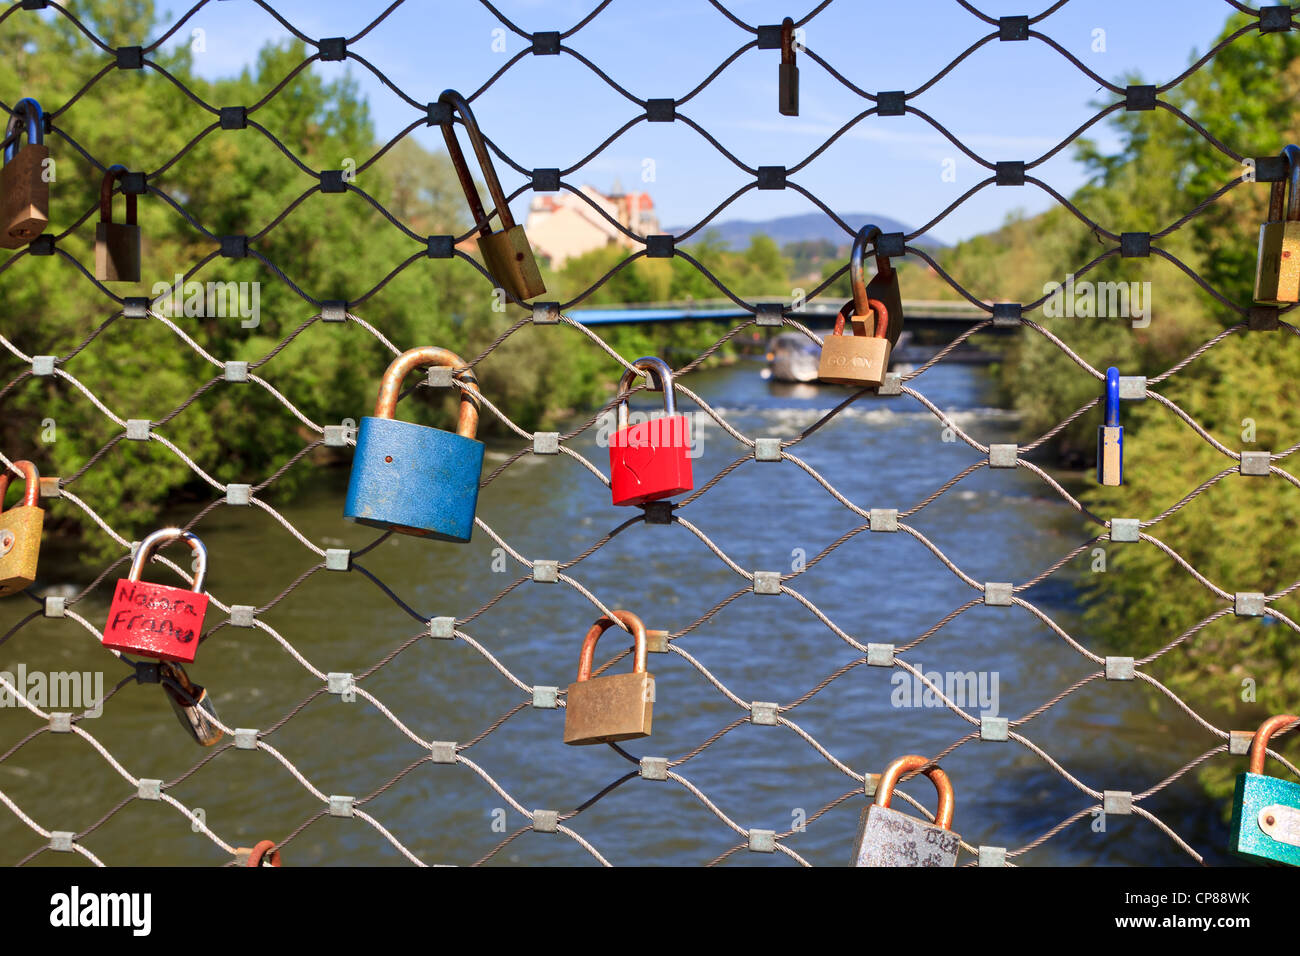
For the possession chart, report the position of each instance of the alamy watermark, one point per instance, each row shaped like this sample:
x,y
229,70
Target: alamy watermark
x,y
54,690
656,430
969,690
1099,300
212,300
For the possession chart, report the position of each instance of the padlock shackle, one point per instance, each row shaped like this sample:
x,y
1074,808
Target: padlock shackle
x,y
857,265
459,105
874,306
256,855
787,41
391,386
1259,744
111,175
1284,192
661,379
593,635
893,773
31,111
165,536
32,489
1112,397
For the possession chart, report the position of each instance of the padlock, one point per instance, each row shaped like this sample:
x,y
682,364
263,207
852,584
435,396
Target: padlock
x,y
506,254
889,838
651,460
1266,810
1110,436
1277,271
20,531
264,853
883,286
191,703
615,707
862,359
117,245
411,478
158,620
788,84
24,191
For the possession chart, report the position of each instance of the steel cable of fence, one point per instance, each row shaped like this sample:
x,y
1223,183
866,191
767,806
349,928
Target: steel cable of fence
x,y
875,514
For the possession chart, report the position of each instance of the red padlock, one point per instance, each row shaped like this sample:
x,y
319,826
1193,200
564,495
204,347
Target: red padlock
x,y
651,460
157,620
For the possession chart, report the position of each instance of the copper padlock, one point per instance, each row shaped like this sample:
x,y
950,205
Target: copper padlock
x,y
117,245
788,82
507,254
889,838
264,853
191,703
24,191
602,710
20,531
1277,271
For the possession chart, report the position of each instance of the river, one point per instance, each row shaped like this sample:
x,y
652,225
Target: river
x,y
881,453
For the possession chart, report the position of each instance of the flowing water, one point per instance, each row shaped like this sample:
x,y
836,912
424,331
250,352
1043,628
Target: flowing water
x,y
1004,525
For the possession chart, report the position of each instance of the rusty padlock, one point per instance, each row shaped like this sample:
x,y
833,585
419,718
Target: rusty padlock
x,y
883,286
264,853
191,703
157,620
788,82
117,245
615,707
1277,270
889,838
20,531
506,254
24,191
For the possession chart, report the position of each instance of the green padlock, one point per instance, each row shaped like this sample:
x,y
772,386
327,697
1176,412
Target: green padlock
x,y
1266,810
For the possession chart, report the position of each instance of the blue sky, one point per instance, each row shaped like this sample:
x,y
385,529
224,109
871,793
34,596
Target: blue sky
x,y
1007,101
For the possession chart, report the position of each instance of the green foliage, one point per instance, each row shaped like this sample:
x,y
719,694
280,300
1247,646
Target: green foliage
x,y
327,247
1241,532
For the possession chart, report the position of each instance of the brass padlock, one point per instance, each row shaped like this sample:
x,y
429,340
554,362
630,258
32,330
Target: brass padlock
x,y
862,359
20,532
24,192
889,838
117,245
191,703
1277,272
506,254
788,83
616,707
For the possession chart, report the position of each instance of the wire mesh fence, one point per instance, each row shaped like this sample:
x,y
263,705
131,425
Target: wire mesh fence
x,y
390,648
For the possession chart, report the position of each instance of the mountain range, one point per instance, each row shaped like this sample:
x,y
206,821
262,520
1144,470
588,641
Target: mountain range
x,y
736,233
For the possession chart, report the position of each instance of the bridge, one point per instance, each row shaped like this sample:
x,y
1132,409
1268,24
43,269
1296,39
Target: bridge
x,y
950,316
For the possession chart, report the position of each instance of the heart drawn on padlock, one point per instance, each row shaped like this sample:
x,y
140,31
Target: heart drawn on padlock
x,y
638,453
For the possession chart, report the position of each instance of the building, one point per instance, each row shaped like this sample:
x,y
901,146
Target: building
x,y
562,225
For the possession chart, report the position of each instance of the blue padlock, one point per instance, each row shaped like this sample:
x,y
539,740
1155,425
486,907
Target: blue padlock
x,y
411,478
1110,436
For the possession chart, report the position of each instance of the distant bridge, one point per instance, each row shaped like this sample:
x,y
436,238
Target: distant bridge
x,y
950,316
